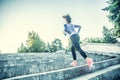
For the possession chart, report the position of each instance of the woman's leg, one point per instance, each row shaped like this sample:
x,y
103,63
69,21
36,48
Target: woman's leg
x,y
73,52
74,62
77,46
75,42
88,60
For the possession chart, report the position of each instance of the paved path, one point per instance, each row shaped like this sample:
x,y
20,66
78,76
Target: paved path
x,y
110,48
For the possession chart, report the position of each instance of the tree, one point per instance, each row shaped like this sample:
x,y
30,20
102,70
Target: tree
x,y
22,49
114,15
34,44
47,49
56,45
108,35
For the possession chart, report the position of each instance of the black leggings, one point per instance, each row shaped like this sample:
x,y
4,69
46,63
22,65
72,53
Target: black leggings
x,y
75,44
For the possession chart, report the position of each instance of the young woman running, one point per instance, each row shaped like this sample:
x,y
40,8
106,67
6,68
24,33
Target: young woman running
x,y
74,37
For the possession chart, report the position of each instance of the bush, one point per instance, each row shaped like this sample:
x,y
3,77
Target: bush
x,y
55,45
94,40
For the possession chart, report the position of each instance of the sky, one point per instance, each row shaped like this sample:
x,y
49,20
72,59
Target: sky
x,y
18,17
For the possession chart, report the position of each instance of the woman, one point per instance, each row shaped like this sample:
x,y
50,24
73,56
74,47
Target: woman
x,y
74,37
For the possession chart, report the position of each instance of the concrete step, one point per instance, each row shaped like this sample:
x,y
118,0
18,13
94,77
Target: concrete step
x,y
29,56
46,56
67,73
109,73
7,63
30,68
7,60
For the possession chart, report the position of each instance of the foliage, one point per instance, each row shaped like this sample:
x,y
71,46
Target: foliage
x,y
55,45
47,49
34,44
94,40
69,45
114,14
22,49
108,35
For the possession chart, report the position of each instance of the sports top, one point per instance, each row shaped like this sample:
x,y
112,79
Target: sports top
x,y
70,29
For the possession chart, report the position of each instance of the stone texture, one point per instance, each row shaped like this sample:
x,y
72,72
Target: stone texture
x,y
109,73
12,65
68,73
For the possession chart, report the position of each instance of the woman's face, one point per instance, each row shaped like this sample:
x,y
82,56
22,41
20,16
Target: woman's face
x,y
65,20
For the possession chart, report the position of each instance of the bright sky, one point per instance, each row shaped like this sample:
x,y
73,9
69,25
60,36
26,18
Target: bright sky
x,y
18,17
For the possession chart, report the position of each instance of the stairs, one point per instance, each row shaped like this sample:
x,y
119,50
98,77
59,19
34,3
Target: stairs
x,y
54,67
109,73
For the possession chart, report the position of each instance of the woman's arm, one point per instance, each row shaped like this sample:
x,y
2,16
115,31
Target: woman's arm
x,y
65,33
65,30
79,27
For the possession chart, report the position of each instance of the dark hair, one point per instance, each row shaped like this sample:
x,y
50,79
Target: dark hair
x,y
68,18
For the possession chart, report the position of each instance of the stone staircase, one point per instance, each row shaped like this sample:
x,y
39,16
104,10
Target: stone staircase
x,y
109,73
55,66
